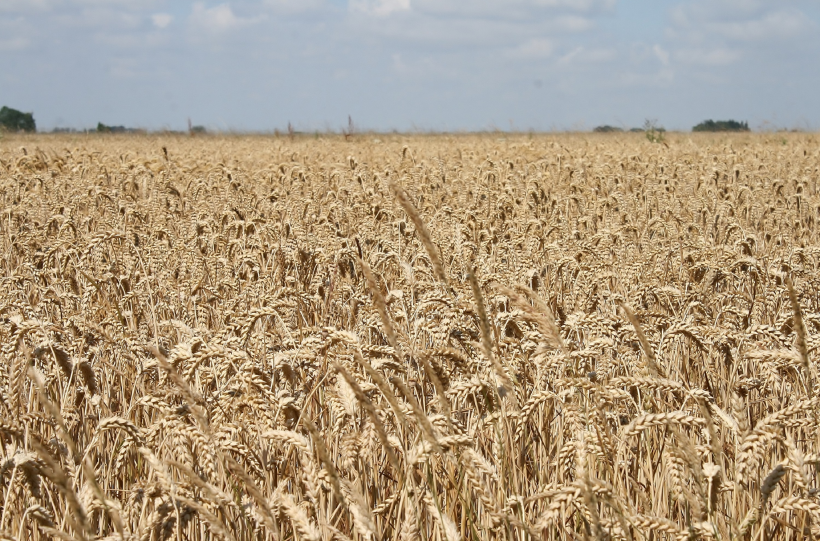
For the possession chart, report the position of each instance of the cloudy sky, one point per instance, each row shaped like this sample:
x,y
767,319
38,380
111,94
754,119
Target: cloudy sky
x,y
411,64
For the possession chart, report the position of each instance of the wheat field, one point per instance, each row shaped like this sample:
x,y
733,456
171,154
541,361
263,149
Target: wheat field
x,y
559,337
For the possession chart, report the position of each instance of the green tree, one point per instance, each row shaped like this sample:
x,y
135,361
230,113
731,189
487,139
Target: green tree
x,y
654,133
102,128
607,129
14,120
722,125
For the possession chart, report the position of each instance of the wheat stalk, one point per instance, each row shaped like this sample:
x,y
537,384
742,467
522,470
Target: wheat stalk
x,y
240,337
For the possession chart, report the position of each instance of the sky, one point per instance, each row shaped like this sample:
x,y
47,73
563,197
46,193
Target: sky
x,y
427,65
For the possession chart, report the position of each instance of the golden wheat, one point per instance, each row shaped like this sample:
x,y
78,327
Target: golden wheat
x,y
446,337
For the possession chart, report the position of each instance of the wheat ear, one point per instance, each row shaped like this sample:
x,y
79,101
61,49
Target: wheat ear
x,y
424,234
800,330
506,384
651,362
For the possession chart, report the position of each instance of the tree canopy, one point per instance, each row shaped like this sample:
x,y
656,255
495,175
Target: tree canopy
x,y
14,120
722,125
607,129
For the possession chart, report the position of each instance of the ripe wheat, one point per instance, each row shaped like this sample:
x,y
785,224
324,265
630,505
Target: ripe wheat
x,y
445,337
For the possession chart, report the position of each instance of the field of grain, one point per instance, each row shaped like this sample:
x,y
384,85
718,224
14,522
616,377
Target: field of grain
x,y
566,337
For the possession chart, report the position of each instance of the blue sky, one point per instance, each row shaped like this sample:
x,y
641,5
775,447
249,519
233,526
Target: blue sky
x,y
411,64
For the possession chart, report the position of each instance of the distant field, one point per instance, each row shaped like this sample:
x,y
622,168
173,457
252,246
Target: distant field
x,y
563,337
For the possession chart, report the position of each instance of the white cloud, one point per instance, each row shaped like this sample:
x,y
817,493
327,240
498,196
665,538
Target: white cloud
x,y
713,57
26,6
573,23
776,24
721,33
582,55
631,79
534,48
398,64
661,54
448,33
716,10
13,44
419,68
507,9
161,20
296,6
737,20
379,8
219,19
453,62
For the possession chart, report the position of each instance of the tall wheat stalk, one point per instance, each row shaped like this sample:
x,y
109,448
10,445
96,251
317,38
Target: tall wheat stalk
x,y
554,337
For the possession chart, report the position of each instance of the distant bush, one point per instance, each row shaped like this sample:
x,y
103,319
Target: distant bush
x,y
654,133
722,125
102,128
607,129
14,120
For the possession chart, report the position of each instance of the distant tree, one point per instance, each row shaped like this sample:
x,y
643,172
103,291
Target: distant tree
x,y
102,128
607,129
654,133
722,125
195,130
14,120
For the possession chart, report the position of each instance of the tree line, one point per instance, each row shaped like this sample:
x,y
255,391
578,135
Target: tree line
x,y
705,126
17,121
14,120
